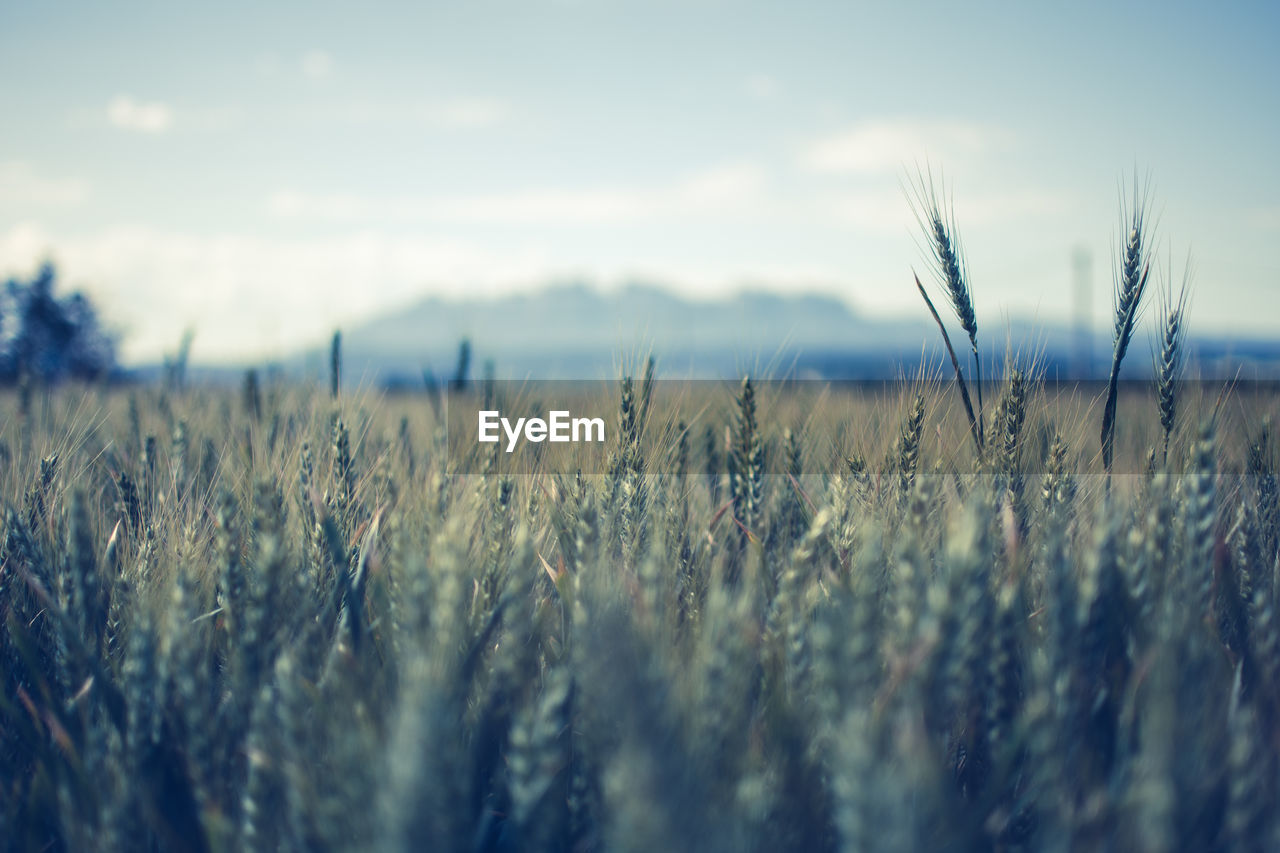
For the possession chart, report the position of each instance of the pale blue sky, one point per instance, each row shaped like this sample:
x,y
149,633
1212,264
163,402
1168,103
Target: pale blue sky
x,y
265,175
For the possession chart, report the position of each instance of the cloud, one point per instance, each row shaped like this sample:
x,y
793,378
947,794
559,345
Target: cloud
x,y
255,297
21,186
127,113
884,145
251,296
317,64
728,189
22,247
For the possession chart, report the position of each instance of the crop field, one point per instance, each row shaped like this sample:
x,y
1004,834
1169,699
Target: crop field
x,y
948,613
297,622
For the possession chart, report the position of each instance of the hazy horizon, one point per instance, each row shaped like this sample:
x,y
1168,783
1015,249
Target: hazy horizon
x,y
267,175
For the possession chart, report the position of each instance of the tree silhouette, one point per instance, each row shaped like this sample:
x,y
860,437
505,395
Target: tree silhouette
x,y
46,338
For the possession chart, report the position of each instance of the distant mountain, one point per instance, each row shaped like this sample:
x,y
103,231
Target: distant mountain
x,y
571,330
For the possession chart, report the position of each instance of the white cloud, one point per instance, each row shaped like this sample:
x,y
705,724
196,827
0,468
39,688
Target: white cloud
x,y
127,113
253,297
317,64
21,186
886,145
724,190
124,112
21,247
250,297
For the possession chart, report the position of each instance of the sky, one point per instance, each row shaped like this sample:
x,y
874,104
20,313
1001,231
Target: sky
x,y
264,173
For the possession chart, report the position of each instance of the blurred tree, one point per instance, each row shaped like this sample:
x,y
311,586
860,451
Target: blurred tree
x,y
45,338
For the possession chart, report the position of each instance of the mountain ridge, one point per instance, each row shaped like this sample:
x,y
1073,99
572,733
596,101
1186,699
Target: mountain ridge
x,y
570,330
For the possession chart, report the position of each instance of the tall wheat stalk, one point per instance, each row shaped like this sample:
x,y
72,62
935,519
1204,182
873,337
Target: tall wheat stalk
x,y
937,221
1169,359
1131,283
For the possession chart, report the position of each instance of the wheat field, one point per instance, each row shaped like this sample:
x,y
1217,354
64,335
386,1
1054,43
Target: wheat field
x,y
295,622
957,612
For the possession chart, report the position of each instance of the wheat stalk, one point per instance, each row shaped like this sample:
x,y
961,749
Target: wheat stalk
x,y
1171,354
937,220
1131,282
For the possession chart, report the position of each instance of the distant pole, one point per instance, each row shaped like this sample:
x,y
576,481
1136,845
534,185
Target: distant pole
x,y
335,364
462,375
1082,311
